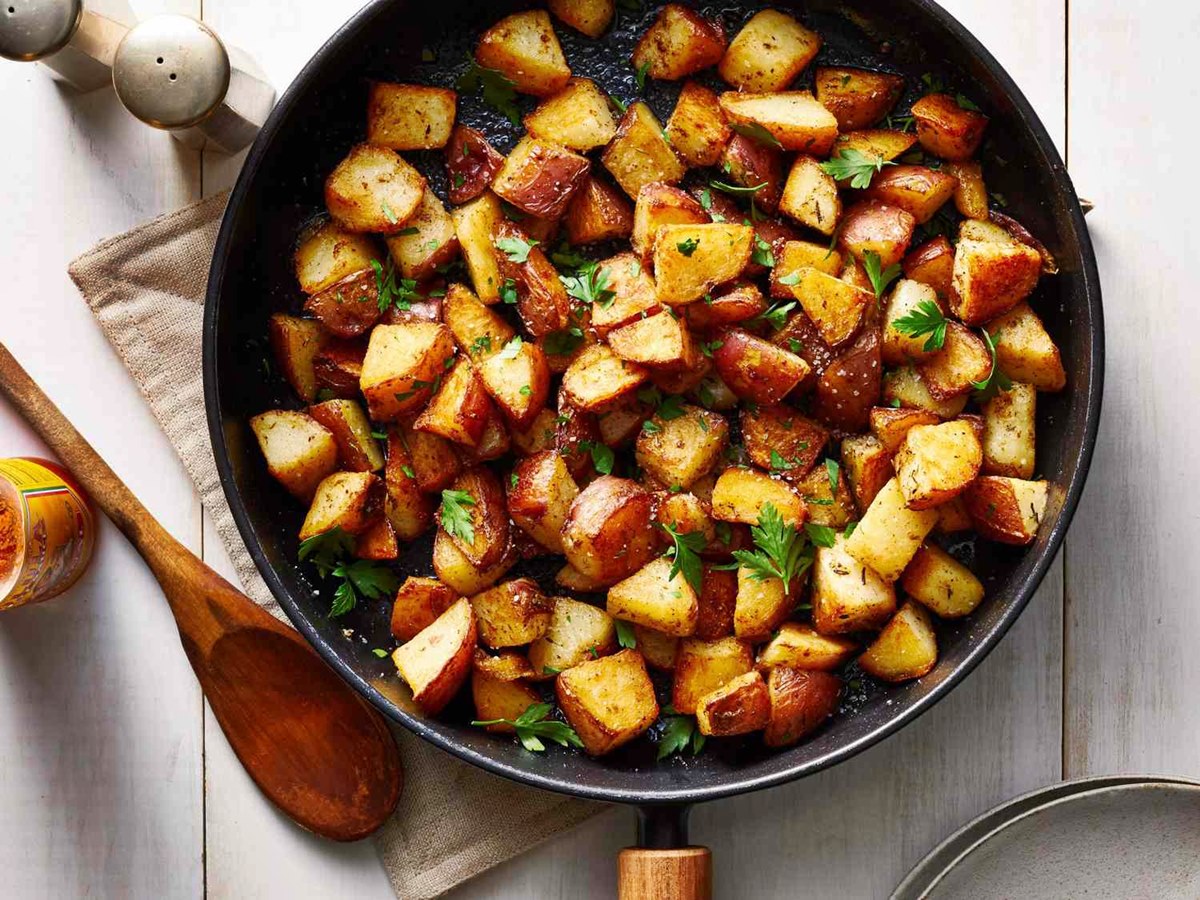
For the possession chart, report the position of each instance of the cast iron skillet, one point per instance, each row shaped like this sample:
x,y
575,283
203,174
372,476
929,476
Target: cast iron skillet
x,y
279,189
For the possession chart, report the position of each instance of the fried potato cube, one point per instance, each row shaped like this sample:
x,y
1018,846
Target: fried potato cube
x,y
489,517
436,662
476,224
905,649
373,189
890,424
876,143
578,631
933,264
401,366
518,380
1009,432
827,504
899,347
347,308
918,190
752,164
801,701
598,377
678,452
640,154
703,666
524,48
953,517
769,52
478,330
498,699
846,390
858,98
541,496
810,196
300,451
460,408
679,43
590,17
658,649
651,597
351,501
358,451
608,701
539,177
418,604
946,129
512,613
686,513
609,532
781,440
433,460
963,361
797,255
1008,510
762,606
834,306
890,533
941,583
906,387
507,665
757,370
740,494
434,243
697,128
993,272
471,164
739,706
410,116
867,465
579,117
800,646
873,227
408,509
1024,350
970,192
494,443
633,294
456,571
717,601
847,595
597,212
538,437
378,542
327,253
793,118
740,302
659,204
660,342
937,462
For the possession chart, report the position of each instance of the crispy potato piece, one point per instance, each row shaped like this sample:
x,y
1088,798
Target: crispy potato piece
x,y
827,504
640,154
942,583
890,424
478,330
846,595
905,649
433,244
1024,350
953,517
351,501
683,449
793,118
946,129
993,272
433,460
796,255
512,613
871,226
834,306
741,493
408,509
460,408
1008,510
1009,432
598,377
373,189
954,370
497,699
579,117
876,143
757,370
401,366
918,190
409,116
781,440
489,517
697,128
740,706
436,662
358,451
507,665
295,344
690,260
578,631
906,387
608,701
660,342
621,425
300,451
970,193
378,541
890,533
539,177
899,347
538,437
591,17
761,607
633,294
418,604
933,264
494,443
800,702
609,533
455,570
703,666
937,462
686,513
680,42
658,649
541,496
574,430
810,196
847,389
660,204
542,301
327,253
751,164
769,52
597,212
800,646
471,164
349,307
858,98
868,466
742,301
476,224
717,601
524,48
518,380
652,598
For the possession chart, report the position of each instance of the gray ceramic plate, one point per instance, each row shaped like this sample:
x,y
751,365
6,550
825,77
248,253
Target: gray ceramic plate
x,y
1118,837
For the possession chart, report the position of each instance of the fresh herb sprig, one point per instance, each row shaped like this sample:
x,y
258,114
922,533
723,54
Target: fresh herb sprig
x,y
456,517
515,248
879,276
996,380
756,132
532,725
499,92
679,733
684,557
781,551
925,319
590,285
392,292
855,166
329,552
625,634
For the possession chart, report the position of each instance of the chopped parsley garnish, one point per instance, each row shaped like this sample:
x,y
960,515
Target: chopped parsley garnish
x,y
625,636
456,518
640,76
966,102
854,165
762,253
481,344
680,733
533,724
736,189
781,552
880,277
603,457
516,249
777,314
688,247
590,285
498,91
707,348
328,552
508,291
820,535
387,212
683,556
512,349
756,132
560,343
996,380
926,319
791,279
391,292
382,654
831,469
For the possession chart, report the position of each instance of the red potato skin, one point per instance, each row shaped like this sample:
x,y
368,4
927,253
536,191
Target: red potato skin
x,y
801,700
849,387
439,692
548,179
718,598
338,367
597,212
427,310
811,347
933,264
489,516
756,369
774,232
347,308
542,301
873,222
749,163
573,428
609,533
471,164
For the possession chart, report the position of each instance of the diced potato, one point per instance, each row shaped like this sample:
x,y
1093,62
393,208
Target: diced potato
x,y
686,513
690,260
489,517
347,308
507,665
953,517
658,649
801,701
697,128
542,300
827,504
1009,432
373,189
963,361
460,408
781,440
608,701
937,462
810,196
410,116
524,48
433,460
660,342
876,143
436,662
609,533
578,631
512,614
652,598
906,387
1025,351
769,52
753,164
942,583
846,390
541,496
579,117
351,501
598,377
538,437
868,466
890,533
433,244
847,595
591,17
295,344
933,264
970,193
640,153
993,272
899,347
633,295
742,301
946,129
757,370
871,226
703,666
300,451
401,366
418,604
800,646
890,424
834,306
497,699
660,204
905,649
476,224
455,570
679,43
1008,510
740,494
378,542
478,330
409,511
597,212
858,98
539,177
793,118
717,601
518,380
797,255
327,253
918,190
471,164
761,607
358,451
739,706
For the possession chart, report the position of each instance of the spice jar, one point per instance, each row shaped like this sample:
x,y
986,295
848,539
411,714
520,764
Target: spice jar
x,y
47,531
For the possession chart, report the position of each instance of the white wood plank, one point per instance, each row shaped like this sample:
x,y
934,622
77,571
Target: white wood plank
x,y
1132,568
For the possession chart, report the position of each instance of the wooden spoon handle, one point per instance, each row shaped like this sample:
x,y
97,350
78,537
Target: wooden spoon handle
x,y
681,874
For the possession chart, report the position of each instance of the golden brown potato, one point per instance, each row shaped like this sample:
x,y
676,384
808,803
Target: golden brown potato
x,y
761,607
460,408
358,451
739,706
608,701
433,460
905,649
800,646
868,466
937,462
876,143
690,260
578,631
300,451
597,212
471,164
769,52
794,256
679,43
542,300
697,128
942,583
524,48
906,387
409,116
946,129
408,509
401,366
993,272
436,662
757,370
834,306
906,299
427,242
890,533
591,17
847,595
933,264
538,437
657,649
1009,432
740,302
518,379
871,226
831,505
703,666
741,493
633,295
781,440
652,598
295,344
640,153
494,443
349,307
455,570
489,517
659,204
498,699
327,252
378,541
858,98
478,330
418,604
800,702
351,501
918,190
476,224
512,613
579,117
970,193
717,601
507,665
1008,510
752,164
847,388
598,378
659,342
540,497
686,513
963,361
953,517
890,424
810,196
1024,350
609,531
793,118
373,189
539,177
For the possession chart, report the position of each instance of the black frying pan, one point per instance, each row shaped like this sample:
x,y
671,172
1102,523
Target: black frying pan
x,y
280,188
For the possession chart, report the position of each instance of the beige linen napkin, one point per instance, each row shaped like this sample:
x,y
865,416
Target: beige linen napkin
x,y
146,288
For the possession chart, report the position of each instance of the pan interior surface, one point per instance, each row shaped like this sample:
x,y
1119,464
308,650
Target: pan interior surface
x,y
280,189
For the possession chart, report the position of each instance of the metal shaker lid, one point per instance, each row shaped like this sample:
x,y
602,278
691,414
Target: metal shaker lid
x,y
171,71
32,29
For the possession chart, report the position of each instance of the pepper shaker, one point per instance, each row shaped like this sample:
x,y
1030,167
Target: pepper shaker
x,y
174,73
75,41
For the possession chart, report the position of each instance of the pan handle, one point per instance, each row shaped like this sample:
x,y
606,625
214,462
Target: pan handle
x,y
663,866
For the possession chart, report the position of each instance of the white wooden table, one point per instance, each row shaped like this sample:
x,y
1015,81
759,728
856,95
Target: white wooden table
x,y
115,782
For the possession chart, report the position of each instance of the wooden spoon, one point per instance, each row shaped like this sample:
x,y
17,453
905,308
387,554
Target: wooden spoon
x,y
312,745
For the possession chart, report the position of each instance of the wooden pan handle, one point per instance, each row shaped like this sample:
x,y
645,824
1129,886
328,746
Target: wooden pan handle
x,y
681,874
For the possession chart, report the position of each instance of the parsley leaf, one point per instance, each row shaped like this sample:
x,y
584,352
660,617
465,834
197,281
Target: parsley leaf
x,y
965,102
640,76
456,519
517,249
680,733
781,551
603,457
560,343
880,278
996,380
854,165
756,132
625,636
382,654
791,279
780,464
688,247
683,556
831,468
762,254
498,91
533,724
391,292
736,189
481,344
776,314
508,291
821,535
590,285
707,348
927,319
511,349
328,552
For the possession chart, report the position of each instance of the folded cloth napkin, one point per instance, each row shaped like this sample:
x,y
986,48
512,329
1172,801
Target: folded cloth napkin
x,y
146,289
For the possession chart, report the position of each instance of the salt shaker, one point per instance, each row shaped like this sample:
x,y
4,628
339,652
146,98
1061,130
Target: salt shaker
x,y
74,40
174,73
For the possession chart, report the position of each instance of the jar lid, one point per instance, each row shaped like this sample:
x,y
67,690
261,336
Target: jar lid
x,y
33,29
